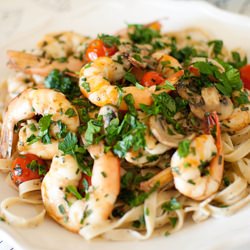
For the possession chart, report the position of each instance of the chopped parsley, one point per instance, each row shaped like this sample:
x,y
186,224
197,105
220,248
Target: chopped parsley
x,y
163,104
65,84
94,126
217,46
238,62
142,34
226,82
61,209
70,112
171,205
43,135
184,148
109,40
85,84
173,221
69,146
35,166
73,190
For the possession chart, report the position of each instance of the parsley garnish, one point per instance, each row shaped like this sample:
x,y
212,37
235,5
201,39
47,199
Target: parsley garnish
x,y
173,221
130,77
228,81
44,125
43,135
85,84
93,128
109,41
33,127
171,205
163,104
238,62
142,34
61,209
70,112
183,148
67,85
35,166
73,190
217,46
69,146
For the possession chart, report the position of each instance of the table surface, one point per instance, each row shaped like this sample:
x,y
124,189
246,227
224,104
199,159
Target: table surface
x,y
15,18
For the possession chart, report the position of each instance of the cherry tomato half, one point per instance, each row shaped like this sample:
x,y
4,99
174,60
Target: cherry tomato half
x,y
245,76
27,167
98,49
151,78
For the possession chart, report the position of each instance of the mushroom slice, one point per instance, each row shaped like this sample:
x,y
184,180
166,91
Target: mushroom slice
x,y
164,132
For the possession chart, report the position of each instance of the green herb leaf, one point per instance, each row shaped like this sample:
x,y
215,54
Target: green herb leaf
x,y
129,100
171,205
67,146
217,46
73,190
35,166
67,85
142,34
183,148
61,209
70,112
109,41
85,84
173,221
238,62
130,78
93,128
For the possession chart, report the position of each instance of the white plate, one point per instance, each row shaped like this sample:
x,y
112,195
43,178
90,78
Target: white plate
x,y
108,16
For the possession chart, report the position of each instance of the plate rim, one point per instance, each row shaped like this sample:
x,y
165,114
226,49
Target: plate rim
x,y
6,230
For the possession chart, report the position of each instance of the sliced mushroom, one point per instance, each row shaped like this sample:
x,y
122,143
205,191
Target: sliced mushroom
x,y
164,132
153,147
209,101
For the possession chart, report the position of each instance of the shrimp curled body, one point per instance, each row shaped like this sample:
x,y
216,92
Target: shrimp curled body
x,y
96,78
198,175
33,102
72,213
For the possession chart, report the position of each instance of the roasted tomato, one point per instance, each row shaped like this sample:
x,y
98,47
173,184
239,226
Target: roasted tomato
x,y
27,167
151,78
245,76
98,49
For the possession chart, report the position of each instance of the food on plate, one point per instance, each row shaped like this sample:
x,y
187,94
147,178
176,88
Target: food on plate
x,y
122,136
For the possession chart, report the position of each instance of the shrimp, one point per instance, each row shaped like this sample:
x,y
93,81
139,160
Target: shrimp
x,y
33,102
169,67
60,51
199,173
72,213
239,119
63,44
32,64
18,83
95,84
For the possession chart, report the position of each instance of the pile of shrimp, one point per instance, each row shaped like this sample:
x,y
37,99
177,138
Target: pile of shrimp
x,y
138,144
